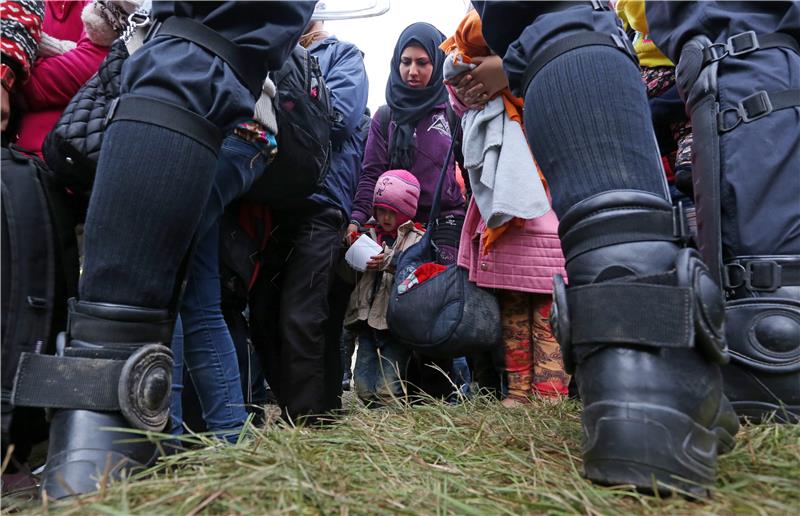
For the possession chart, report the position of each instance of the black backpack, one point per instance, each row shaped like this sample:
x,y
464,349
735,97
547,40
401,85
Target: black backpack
x,y
39,268
305,115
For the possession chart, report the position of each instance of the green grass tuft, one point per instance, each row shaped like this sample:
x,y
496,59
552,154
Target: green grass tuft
x,y
474,458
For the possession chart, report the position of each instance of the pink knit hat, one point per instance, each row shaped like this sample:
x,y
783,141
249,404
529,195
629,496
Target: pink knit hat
x,y
397,190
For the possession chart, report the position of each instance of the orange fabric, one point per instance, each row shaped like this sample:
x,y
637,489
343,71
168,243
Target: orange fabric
x,y
468,38
490,235
468,42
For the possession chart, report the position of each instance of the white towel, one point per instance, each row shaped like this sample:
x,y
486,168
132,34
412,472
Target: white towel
x,y
501,169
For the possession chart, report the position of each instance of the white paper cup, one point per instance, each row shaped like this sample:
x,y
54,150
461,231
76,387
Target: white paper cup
x,y
361,251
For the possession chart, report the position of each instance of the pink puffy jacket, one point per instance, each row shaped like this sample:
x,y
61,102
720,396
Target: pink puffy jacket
x,y
55,80
523,259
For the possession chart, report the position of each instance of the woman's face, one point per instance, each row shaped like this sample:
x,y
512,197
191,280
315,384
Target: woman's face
x,y
415,67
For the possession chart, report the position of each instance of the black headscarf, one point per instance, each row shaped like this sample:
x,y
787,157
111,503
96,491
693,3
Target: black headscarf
x,y
410,105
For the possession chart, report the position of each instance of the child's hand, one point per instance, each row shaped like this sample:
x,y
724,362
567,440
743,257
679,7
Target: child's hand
x,y
459,81
375,262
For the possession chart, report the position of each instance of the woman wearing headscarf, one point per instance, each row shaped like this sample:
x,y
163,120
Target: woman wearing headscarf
x,y
412,133
417,136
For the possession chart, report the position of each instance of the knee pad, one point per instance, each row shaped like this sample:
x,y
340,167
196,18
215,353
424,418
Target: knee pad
x,y
630,282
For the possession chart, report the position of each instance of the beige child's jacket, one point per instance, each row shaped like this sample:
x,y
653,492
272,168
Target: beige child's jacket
x,y
368,303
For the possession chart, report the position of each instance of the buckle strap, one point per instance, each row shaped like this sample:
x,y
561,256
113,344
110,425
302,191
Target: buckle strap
x,y
67,382
765,274
631,225
755,106
214,42
164,114
631,313
747,42
572,42
137,386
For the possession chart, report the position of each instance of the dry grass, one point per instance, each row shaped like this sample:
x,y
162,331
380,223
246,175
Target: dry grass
x,y
472,458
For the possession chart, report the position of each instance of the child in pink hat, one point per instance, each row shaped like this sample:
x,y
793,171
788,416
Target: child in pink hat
x,y
381,362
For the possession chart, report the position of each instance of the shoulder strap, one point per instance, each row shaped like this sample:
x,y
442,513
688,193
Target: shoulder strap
x,y
453,121
437,196
206,37
384,115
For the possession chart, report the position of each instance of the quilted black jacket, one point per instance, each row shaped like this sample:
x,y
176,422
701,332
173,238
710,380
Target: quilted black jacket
x,y
72,148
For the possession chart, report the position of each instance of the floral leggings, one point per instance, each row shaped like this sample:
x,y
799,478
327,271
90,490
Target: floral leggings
x,y
532,354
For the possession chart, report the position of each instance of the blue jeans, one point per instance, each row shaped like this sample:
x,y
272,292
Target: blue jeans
x,y
462,376
202,340
381,364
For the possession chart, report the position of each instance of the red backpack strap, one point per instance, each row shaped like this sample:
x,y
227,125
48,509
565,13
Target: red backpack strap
x,y
256,220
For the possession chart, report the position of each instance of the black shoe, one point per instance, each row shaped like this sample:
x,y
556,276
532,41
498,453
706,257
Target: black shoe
x,y
640,326
81,457
346,379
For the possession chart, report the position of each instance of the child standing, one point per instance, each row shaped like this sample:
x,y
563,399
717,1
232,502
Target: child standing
x,y
518,256
381,361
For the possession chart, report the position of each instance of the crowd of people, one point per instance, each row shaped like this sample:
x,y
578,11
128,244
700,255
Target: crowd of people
x,y
531,148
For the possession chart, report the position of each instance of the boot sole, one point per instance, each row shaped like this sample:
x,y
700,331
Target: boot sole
x,y
654,448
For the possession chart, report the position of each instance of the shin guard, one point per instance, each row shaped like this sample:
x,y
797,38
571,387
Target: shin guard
x,y
744,109
640,326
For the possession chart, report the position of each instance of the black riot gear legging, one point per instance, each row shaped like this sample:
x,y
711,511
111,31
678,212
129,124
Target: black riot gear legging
x,y
652,391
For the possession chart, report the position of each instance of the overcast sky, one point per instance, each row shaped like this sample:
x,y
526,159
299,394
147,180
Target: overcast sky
x,y
377,36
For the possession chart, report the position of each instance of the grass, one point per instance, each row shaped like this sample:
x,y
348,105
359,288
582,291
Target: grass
x,y
472,458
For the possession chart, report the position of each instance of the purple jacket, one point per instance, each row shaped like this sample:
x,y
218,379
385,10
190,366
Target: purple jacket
x,y
433,141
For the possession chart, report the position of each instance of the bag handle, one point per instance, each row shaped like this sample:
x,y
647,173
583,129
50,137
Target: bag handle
x,y
436,208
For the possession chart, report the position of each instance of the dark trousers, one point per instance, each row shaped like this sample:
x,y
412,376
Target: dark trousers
x,y
335,334
289,309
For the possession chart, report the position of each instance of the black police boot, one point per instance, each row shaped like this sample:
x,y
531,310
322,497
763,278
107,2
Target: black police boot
x,y
113,373
640,327
762,324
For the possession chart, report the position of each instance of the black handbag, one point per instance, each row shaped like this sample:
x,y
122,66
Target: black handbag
x,y
446,315
72,147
